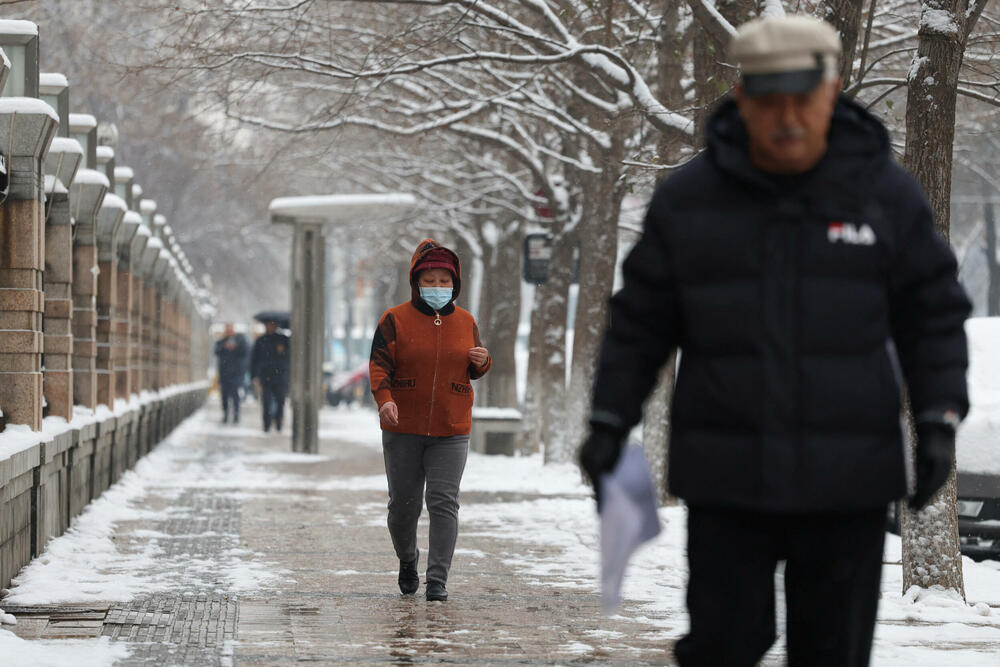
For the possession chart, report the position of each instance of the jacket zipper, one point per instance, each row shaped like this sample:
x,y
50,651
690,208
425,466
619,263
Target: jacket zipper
x,y
437,356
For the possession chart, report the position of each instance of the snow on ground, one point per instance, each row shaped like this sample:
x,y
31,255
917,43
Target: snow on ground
x,y
59,653
95,561
917,629
548,520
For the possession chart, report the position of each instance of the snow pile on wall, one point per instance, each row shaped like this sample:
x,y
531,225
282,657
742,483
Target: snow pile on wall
x,y
978,447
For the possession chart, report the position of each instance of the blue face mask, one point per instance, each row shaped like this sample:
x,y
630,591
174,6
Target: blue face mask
x,y
436,297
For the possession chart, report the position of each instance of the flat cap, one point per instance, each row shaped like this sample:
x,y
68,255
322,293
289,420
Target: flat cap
x,y
783,54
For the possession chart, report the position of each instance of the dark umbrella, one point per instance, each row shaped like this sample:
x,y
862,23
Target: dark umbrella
x,y
280,317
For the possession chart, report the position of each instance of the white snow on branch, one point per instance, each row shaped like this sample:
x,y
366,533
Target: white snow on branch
x,y
709,6
938,22
919,62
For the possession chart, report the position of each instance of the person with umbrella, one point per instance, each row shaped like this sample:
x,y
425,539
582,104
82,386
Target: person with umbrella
x,y
270,367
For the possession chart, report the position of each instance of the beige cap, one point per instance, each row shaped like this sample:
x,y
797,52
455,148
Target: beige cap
x,y
783,54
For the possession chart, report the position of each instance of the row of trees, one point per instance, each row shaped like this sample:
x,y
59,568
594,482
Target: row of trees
x,y
492,110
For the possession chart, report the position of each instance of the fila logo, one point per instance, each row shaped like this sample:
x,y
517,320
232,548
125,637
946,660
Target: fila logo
x,y
848,232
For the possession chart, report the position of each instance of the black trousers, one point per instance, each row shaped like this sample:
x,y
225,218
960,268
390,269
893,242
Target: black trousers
x,y
410,462
833,565
272,404
230,388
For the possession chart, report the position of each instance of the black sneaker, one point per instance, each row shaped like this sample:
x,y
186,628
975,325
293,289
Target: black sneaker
x,y
436,592
409,580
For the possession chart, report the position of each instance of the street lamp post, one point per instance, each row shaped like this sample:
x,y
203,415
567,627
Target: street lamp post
x,y
309,215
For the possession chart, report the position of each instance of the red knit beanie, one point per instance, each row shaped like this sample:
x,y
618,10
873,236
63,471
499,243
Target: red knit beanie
x,y
439,258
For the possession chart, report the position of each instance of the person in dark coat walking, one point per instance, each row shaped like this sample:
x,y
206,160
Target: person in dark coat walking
x,y
797,268
270,368
231,358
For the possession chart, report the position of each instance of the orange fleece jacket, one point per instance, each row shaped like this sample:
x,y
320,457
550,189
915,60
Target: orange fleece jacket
x,y
423,366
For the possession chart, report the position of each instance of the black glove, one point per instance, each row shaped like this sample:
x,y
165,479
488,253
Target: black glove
x,y
600,452
935,453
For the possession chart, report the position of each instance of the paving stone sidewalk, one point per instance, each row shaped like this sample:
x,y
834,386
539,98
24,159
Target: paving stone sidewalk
x,y
319,530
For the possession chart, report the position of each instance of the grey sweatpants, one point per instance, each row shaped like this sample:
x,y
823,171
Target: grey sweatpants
x,y
410,460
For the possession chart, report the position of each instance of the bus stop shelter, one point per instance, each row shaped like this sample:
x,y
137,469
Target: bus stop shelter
x,y
310,215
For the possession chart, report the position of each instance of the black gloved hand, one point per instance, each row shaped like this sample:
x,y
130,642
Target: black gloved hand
x,y
935,453
600,452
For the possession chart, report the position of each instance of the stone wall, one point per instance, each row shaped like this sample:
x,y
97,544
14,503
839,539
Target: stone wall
x,y
94,330
48,477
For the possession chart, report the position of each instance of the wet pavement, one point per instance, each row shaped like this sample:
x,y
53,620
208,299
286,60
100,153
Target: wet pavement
x,y
259,557
222,547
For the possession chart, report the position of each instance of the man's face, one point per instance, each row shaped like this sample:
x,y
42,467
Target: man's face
x,y
788,131
270,327
230,330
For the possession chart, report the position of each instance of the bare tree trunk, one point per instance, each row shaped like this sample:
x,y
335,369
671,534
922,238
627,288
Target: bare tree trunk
x,y
545,396
931,554
467,257
656,429
670,75
713,78
993,266
484,311
401,287
845,16
656,413
385,285
489,244
531,430
553,301
499,308
598,256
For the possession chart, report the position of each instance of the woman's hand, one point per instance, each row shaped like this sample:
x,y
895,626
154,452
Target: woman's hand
x,y
389,413
478,356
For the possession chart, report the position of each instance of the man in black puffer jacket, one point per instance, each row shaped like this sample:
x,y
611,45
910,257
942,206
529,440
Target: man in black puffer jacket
x,y
797,268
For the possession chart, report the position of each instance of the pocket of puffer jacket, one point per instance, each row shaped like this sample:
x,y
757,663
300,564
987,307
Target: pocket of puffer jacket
x,y
460,398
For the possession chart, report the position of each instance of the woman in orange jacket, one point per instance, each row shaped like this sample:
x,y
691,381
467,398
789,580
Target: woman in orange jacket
x,y
425,354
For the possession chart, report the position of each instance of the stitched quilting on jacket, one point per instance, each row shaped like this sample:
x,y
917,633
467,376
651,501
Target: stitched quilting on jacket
x,y
420,360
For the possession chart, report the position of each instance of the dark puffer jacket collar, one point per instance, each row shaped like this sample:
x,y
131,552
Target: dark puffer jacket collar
x,y
858,146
